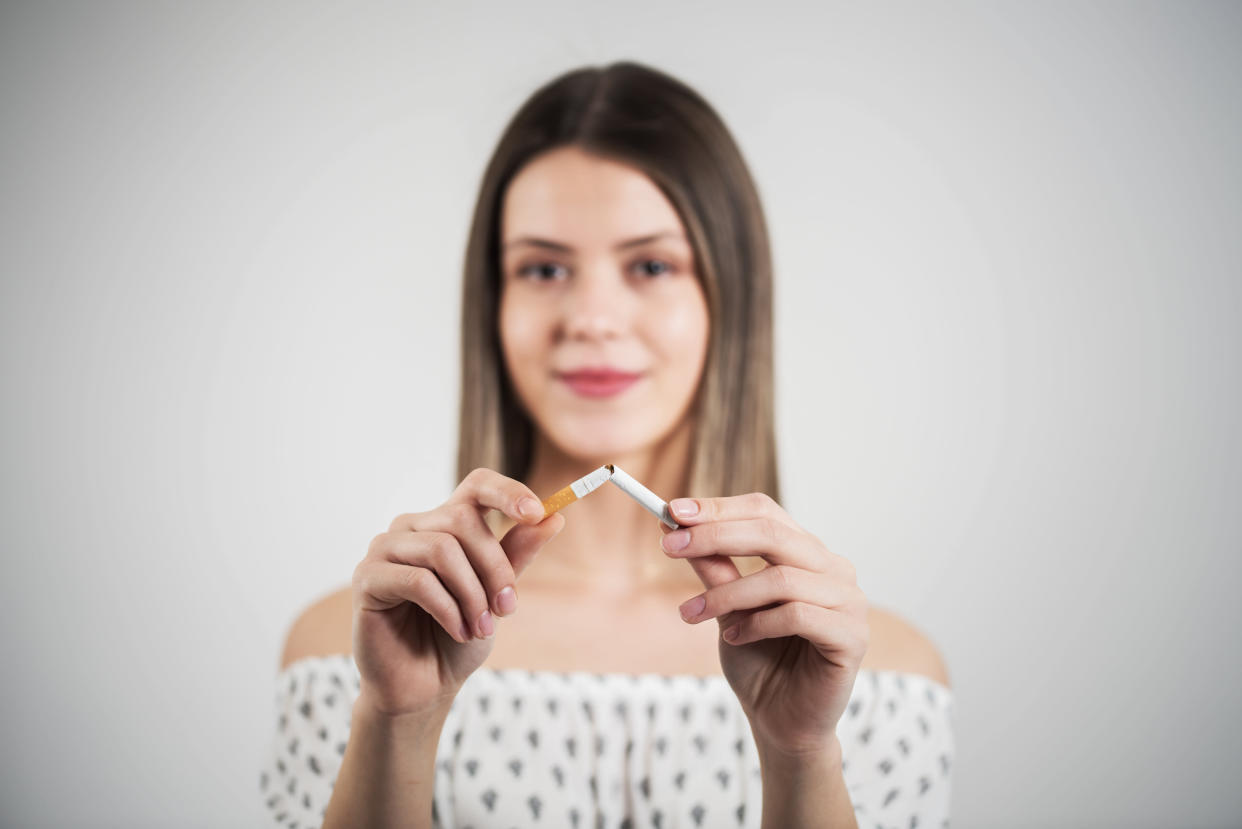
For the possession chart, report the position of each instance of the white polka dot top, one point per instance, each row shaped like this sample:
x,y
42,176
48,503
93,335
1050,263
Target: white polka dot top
x,y
612,751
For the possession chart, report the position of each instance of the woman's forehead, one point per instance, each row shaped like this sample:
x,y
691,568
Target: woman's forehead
x,y
571,197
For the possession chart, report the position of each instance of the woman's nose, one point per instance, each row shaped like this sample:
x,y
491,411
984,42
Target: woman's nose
x,y
596,306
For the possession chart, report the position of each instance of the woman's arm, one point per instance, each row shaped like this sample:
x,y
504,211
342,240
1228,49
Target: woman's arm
x,y
388,774
805,792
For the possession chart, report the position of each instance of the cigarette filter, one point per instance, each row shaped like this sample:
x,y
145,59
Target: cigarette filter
x,y
576,490
650,501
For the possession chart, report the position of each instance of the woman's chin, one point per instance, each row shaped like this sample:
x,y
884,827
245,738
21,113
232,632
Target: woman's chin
x,y
597,447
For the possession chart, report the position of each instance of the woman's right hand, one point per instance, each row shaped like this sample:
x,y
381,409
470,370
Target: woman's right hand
x,y
426,592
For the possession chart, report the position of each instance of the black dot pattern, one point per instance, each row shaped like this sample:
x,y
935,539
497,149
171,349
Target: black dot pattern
x,y
548,749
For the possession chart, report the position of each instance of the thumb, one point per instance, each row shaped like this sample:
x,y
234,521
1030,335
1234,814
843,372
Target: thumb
x,y
711,570
714,570
523,541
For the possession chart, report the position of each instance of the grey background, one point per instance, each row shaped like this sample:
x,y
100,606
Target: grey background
x,y
1007,247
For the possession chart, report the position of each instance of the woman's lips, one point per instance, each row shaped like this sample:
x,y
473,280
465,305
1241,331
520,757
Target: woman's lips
x,y
599,383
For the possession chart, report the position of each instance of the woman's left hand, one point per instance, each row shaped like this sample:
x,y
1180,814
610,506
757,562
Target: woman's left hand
x,y
800,623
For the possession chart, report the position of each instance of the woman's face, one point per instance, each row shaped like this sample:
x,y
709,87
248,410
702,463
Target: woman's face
x,y
597,274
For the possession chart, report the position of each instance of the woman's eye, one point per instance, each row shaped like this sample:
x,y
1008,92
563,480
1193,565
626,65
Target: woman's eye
x,y
540,271
550,271
654,267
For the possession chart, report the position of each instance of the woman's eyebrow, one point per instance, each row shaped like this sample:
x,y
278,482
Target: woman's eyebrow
x,y
534,241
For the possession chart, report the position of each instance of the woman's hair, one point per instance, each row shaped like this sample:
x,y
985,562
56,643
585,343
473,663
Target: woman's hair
x,y
646,119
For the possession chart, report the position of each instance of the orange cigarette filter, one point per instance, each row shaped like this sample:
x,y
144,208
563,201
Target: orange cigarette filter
x,y
578,489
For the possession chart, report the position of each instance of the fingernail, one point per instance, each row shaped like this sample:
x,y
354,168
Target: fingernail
x,y
684,507
692,608
486,629
530,508
506,601
465,632
730,634
676,540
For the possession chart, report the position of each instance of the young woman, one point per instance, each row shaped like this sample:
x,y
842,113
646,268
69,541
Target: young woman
x,y
490,666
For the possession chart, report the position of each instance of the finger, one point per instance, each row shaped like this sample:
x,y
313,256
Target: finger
x,y
523,541
488,489
833,632
382,585
688,511
775,541
442,553
771,585
482,549
715,570
711,570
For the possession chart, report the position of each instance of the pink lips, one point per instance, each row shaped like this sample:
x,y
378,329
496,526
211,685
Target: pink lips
x,y
599,382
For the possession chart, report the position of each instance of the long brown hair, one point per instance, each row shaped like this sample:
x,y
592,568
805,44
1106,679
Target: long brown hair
x,y
642,117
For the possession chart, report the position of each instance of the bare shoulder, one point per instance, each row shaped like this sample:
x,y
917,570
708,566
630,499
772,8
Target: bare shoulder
x,y
897,645
324,628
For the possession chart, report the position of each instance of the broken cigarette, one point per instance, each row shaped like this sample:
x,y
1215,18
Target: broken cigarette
x,y
576,490
609,472
650,501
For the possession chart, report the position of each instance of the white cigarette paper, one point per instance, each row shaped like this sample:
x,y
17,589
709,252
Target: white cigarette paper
x,y
578,489
591,482
650,501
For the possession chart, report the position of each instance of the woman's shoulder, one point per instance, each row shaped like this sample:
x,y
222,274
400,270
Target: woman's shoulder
x,y
323,628
898,645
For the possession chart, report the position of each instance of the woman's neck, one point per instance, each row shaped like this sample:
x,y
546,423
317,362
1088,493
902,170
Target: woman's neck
x,y
609,542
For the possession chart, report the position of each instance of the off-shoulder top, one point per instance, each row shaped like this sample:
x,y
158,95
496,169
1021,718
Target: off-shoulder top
x,y
617,751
